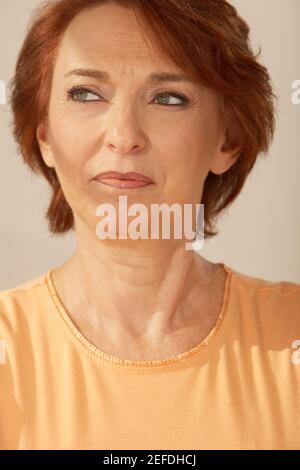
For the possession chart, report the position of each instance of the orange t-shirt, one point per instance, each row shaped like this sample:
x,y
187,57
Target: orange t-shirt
x,y
238,389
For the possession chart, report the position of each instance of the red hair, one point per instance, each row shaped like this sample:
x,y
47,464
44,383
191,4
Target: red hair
x,y
206,38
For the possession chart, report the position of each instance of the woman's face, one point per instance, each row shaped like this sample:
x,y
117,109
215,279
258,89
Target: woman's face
x,y
126,123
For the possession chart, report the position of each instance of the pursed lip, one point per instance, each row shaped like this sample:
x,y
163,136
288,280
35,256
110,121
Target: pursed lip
x,y
132,176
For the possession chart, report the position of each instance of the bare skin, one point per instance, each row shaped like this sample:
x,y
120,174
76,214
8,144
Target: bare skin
x,y
157,329
135,299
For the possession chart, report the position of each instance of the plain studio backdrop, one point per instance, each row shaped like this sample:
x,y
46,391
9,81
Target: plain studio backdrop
x,y
259,232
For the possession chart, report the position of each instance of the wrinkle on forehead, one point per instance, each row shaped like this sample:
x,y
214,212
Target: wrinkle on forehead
x,y
114,28
88,41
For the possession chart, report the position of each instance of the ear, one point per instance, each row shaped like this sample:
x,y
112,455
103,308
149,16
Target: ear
x,y
44,144
226,154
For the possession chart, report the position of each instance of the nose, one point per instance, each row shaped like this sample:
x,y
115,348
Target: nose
x,y
124,135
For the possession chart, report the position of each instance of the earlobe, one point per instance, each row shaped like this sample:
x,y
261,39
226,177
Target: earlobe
x,y
42,138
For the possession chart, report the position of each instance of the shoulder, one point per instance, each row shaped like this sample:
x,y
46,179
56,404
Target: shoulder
x,y
264,289
22,289
266,305
17,302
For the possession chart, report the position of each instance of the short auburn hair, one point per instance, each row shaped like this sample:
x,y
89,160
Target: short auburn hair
x,y
206,38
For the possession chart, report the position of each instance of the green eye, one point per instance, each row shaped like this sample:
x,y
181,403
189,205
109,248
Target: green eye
x,y
80,94
183,100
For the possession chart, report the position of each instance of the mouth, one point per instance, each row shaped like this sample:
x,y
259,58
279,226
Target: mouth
x,y
130,180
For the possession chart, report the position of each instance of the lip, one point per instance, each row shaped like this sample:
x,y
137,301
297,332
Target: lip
x,y
122,184
132,176
130,180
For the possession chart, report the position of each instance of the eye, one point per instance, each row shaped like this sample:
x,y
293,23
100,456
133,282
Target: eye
x,y
166,95
79,93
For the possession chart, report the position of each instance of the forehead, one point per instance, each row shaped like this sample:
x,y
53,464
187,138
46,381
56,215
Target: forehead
x,y
105,33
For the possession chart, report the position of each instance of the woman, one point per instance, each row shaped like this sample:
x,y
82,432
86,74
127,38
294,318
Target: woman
x,y
141,343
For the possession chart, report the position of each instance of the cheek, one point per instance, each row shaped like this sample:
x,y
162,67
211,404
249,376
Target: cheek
x,y
187,157
71,147
70,155
192,147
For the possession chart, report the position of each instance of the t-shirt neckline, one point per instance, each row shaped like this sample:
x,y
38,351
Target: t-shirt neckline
x,y
115,361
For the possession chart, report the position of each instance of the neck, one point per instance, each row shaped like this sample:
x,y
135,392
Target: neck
x,y
142,291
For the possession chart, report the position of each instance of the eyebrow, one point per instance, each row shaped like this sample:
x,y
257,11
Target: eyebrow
x,y
103,76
